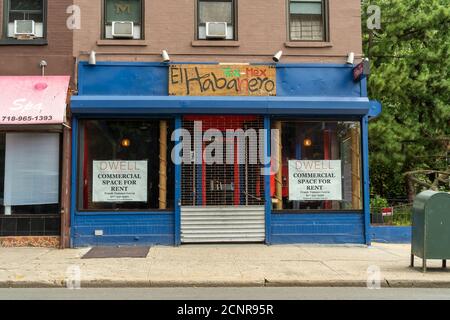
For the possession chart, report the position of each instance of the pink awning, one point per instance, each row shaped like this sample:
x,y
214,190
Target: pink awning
x,y
33,99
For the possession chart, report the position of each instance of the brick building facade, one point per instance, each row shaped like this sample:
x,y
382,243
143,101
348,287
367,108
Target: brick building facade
x,y
145,72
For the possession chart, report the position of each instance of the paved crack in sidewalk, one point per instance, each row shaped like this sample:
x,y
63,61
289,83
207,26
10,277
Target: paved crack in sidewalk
x,y
387,251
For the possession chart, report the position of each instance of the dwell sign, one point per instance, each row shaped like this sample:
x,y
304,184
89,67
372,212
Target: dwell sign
x,y
119,181
315,180
222,80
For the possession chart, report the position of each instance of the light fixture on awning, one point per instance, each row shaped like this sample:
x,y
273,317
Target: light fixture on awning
x,y
277,56
92,58
165,56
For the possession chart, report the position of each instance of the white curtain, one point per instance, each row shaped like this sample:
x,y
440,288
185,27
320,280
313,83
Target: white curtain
x,y
306,27
31,169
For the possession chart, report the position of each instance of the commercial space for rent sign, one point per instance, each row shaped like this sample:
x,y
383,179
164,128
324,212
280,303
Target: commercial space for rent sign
x,y
119,181
311,180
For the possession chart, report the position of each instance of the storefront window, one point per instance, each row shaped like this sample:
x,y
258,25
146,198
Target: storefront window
x,y
29,184
320,166
29,173
124,165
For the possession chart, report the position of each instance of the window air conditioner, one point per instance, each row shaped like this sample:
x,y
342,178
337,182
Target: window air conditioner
x,y
216,30
24,28
122,29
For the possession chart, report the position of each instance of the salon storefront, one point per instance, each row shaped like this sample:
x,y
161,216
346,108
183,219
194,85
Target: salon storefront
x,y
34,161
157,156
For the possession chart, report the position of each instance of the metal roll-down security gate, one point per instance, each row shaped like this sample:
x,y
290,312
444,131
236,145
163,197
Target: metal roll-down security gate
x,y
222,198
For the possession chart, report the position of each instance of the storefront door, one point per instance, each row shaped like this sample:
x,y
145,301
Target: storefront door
x,y
222,191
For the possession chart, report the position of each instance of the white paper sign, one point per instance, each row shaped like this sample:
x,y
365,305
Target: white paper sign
x,y
315,180
119,181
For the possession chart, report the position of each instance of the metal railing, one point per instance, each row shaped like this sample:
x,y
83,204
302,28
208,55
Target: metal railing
x,y
401,215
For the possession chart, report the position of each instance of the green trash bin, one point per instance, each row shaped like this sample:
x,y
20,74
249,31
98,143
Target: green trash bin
x,y
431,227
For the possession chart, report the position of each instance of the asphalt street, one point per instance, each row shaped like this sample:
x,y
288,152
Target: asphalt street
x,y
217,293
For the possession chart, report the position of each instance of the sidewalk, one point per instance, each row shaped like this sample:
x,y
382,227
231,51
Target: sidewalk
x,y
223,265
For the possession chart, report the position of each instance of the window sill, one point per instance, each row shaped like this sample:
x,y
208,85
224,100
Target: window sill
x,y
111,42
308,44
16,42
124,212
316,211
215,43
29,215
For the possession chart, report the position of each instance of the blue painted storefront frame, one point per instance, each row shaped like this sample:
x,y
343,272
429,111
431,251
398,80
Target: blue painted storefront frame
x,y
268,202
135,220
177,200
365,180
339,228
391,234
313,106
324,227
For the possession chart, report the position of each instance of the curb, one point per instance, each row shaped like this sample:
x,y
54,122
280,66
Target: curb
x,y
225,283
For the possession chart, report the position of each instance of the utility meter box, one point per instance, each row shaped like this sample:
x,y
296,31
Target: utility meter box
x,y
431,227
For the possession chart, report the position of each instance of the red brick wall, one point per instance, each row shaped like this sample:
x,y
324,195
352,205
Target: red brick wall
x,y
170,24
262,30
24,60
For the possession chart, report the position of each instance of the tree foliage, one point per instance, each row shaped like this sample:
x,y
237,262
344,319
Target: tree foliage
x,y
410,64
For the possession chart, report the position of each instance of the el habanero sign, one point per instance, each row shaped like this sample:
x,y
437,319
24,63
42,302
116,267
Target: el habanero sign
x,y
222,80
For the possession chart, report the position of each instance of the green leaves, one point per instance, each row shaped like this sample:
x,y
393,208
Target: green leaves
x,y
410,60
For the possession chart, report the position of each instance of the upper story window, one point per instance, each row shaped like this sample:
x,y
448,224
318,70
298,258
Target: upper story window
x,y
307,20
123,19
216,20
24,19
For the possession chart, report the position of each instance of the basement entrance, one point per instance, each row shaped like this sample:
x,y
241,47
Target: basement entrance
x,y
222,187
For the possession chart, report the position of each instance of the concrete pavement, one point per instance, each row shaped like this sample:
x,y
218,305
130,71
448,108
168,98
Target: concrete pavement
x,y
237,265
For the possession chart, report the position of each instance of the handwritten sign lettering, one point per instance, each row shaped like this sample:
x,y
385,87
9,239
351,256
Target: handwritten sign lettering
x,y
222,80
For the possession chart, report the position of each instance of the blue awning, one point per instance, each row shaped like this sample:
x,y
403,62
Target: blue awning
x,y
140,105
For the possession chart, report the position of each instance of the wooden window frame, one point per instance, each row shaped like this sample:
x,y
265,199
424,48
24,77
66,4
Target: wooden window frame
x,y
5,40
234,16
103,24
325,23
